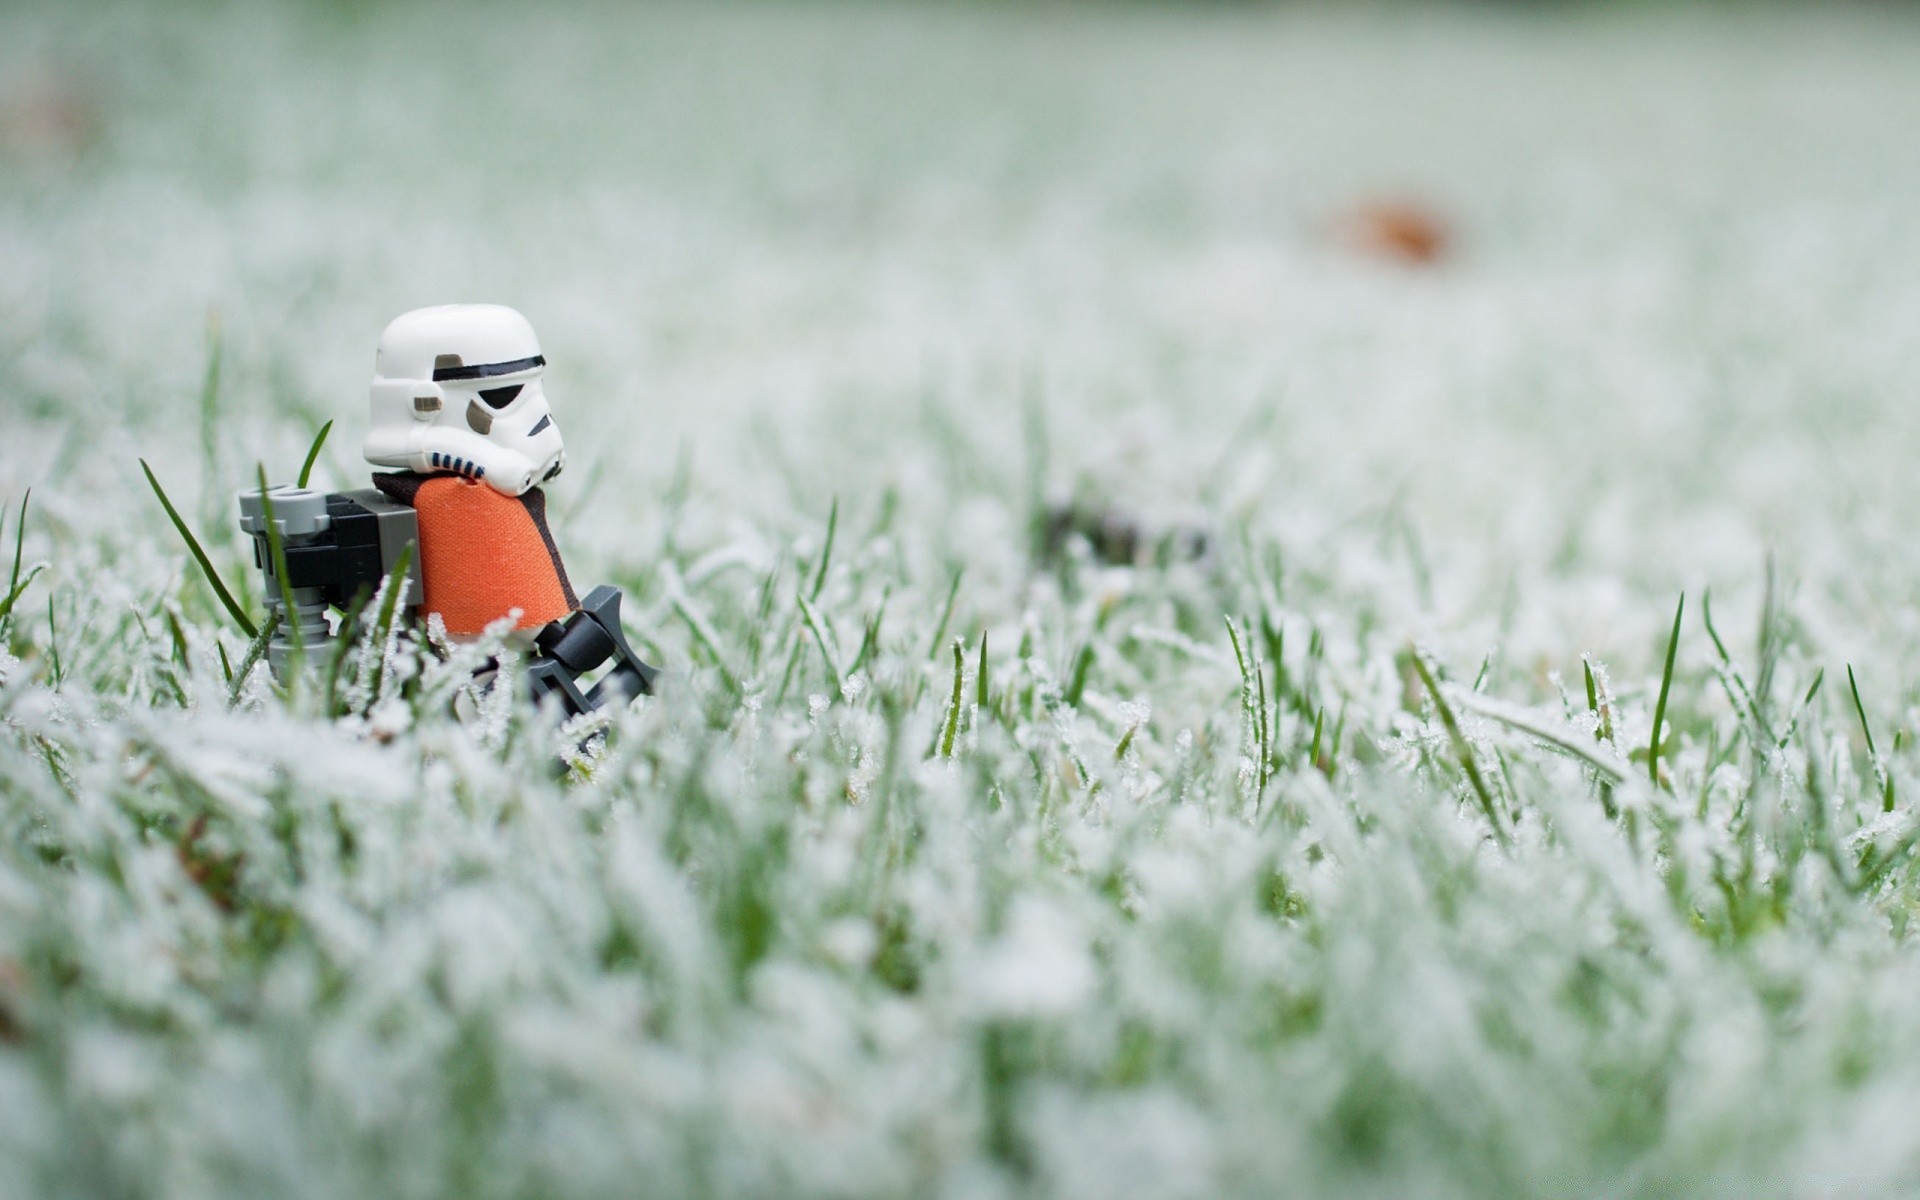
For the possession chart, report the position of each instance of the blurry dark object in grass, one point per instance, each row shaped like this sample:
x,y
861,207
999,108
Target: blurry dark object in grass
x,y
13,998
1403,231
44,114
1120,538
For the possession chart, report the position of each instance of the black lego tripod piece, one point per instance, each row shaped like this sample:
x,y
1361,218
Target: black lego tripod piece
x,y
583,641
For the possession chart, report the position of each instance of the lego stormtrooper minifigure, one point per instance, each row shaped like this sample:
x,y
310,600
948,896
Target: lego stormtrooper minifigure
x,y
458,408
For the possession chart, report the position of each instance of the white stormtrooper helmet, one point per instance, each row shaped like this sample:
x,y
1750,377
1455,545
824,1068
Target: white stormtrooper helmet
x,y
457,388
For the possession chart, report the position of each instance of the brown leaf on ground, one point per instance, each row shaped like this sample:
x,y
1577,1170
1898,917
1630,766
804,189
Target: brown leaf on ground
x,y
44,114
217,875
1404,231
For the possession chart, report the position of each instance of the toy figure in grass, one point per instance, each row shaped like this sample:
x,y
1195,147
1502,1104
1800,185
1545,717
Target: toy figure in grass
x,y
458,406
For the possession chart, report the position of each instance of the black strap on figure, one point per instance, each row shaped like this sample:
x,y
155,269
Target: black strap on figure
x,y
568,649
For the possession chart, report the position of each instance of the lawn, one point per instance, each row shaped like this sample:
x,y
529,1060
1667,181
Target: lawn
x,y
1255,601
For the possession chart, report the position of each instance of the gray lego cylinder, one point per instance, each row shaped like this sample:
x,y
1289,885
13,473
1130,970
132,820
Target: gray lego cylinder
x,y
299,516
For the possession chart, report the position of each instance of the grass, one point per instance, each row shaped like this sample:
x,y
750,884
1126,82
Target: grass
x,y
1158,702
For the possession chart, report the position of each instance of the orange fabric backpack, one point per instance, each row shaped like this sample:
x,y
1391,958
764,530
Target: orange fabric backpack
x,y
483,554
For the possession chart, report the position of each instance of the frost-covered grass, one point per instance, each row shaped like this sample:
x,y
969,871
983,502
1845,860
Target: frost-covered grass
x,y
954,860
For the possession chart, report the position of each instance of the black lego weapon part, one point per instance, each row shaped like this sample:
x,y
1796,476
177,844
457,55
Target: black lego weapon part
x,y
588,637
364,537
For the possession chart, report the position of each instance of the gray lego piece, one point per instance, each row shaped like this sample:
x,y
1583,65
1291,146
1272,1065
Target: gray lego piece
x,y
299,516
399,528
299,513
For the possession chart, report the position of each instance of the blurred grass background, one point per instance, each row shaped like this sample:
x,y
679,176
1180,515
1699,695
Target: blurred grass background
x,y
717,213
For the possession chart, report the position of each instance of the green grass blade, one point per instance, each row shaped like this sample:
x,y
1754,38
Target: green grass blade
x,y
952,729
1609,767
1730,677
946,613
19,545
827,654
1460,747
1248,692
1881,775
1666,686
1273,638
1599,701
378,643
20,586
178,636
53,647
210,404
1126,741
256,650
870,639
980,684
200,556
16,585
1861,709
313,453
277,553
350,628
826,551
1077,682
1806,702
1267,717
